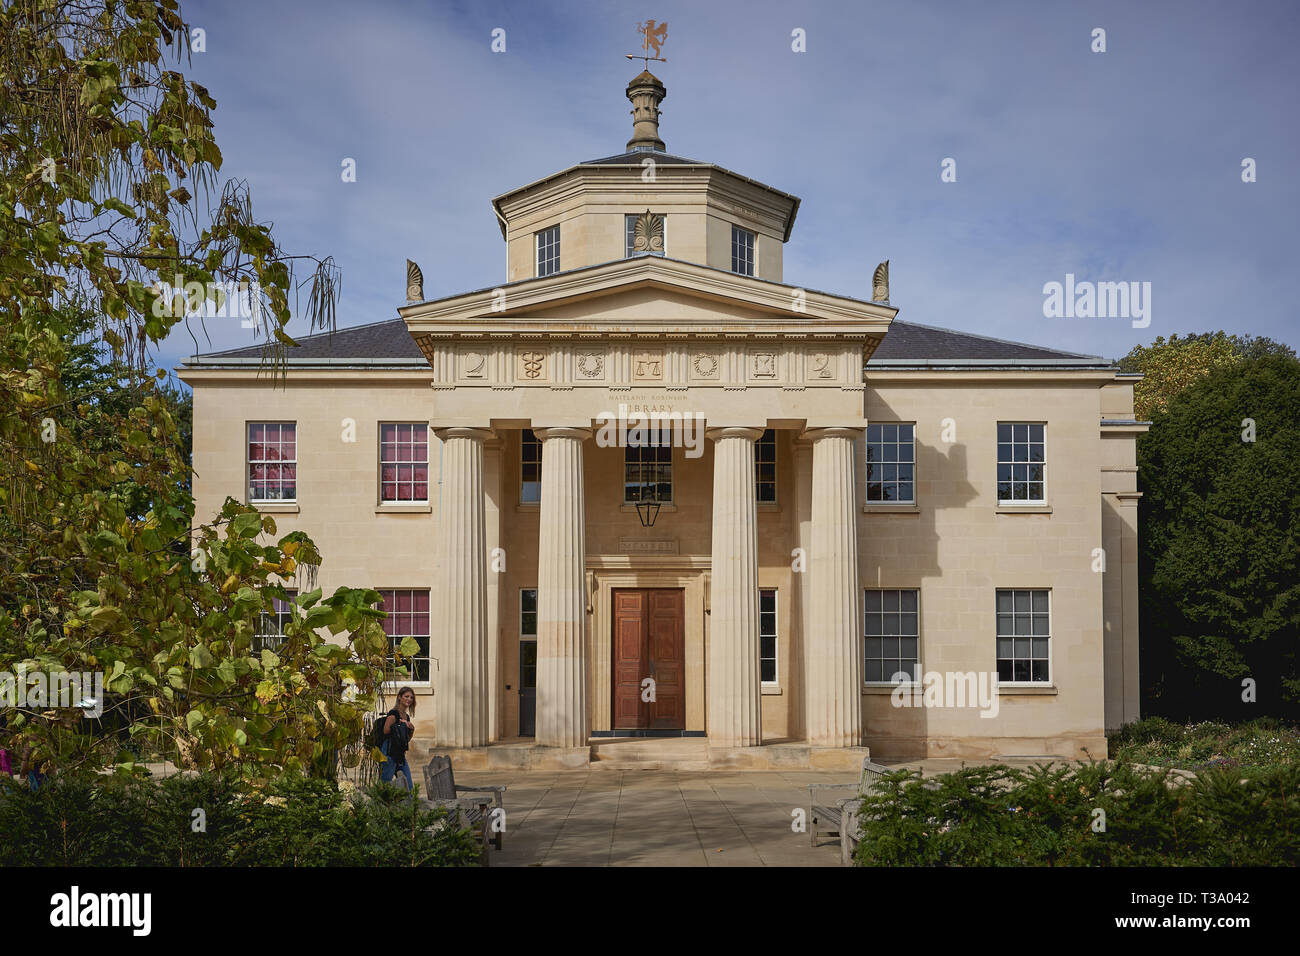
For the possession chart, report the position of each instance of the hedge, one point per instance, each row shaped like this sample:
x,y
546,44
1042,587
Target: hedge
x,y
294,821
1048,816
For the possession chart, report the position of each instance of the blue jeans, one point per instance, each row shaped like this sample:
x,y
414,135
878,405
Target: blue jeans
x,y
390,770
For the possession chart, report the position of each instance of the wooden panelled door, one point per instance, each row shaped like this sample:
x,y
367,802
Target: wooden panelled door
x,y
650,641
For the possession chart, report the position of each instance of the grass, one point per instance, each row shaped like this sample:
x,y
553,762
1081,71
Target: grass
x,y
1254,745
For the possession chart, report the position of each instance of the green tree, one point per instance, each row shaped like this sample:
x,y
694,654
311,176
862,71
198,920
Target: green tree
x,y
1171,366
107,182
1220,541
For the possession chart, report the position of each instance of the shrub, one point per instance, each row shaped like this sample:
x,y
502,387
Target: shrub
x,y
1044,816
291,821
1260,743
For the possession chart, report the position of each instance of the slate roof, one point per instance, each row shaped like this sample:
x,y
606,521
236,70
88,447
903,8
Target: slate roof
x,y
905,343
635,157
911,342
375,342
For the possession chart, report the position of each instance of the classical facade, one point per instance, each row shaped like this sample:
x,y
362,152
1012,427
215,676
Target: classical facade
x,y
647,488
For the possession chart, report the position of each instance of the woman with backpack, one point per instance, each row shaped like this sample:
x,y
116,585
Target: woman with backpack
x,y
398,730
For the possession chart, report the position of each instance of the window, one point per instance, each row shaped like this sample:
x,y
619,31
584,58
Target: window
x,y
408,616
527,638
645,233
1021,462
1024,637
530,467
765,467
767,635
891,635
270,626
548,251
742,251
891,453
272,461
403,462
648,471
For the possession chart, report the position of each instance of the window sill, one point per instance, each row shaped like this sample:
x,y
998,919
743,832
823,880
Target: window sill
x,y
1005,508
886,689
276,507
902,508
768,506
772,690
396,509
1027,690
529,506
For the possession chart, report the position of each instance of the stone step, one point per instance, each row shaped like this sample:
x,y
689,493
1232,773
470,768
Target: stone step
x,y
644,753
650,753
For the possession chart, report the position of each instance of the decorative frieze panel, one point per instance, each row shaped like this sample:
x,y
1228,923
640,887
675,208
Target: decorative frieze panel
x,y
704,365
648,365
819,366
589,365
532,363
472,363
762,364
623,362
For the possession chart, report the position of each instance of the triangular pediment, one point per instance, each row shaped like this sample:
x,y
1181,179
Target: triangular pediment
x,y
635,302
648,294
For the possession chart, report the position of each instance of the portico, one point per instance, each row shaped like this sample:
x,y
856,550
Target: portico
x,y
737,365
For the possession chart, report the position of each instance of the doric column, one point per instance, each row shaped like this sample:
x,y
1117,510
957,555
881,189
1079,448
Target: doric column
x,y
735,714
461,681
562,717
833,641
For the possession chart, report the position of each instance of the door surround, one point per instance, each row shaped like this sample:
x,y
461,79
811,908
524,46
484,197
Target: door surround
x,y
657,618
689,575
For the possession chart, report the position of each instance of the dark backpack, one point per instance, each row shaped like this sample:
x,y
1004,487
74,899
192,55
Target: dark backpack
x,y
376,736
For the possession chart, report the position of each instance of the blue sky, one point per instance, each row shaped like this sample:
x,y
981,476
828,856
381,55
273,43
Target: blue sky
x,y
1115,166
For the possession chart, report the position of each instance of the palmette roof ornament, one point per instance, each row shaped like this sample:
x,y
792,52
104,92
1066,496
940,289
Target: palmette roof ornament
x,y
880,283
414,282
648,233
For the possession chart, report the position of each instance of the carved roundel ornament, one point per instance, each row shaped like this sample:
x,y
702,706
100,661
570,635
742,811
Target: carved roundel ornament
x,y
705,365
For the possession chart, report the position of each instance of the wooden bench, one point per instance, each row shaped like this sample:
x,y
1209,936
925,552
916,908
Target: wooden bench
x,y
828,815
477,804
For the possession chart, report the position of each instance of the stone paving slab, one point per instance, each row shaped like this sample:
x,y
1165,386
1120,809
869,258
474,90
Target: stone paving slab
x,y
667,818
657,818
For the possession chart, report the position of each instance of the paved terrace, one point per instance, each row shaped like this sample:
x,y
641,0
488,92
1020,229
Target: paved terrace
x,y
666,818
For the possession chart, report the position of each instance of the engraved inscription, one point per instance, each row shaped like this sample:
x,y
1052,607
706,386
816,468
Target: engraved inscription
x,y
647,545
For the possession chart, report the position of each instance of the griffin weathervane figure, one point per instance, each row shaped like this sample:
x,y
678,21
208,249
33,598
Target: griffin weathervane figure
x,y
652,38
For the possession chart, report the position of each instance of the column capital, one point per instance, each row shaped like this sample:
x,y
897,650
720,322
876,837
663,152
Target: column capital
x,y
563,431
734,431
851,432
464,431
